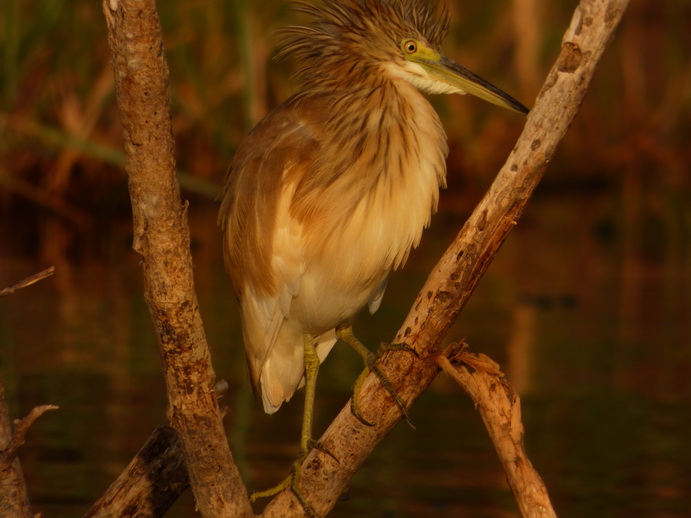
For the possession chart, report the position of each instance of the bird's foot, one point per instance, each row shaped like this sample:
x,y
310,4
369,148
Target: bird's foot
x,y
400,346
345,333
256,495
371,366
317,445
292,480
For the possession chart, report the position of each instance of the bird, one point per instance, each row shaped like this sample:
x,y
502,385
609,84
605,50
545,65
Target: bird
x,y
331,191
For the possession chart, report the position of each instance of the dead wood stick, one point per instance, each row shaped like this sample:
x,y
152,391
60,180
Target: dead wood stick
x,y
14,497
500,409
455,276
161,237
21,427
150,484
32,279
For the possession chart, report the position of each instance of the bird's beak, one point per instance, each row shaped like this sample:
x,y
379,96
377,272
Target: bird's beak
x,y
450,72
445,70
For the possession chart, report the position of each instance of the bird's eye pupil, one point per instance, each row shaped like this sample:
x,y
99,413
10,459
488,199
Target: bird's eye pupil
x,y
410,47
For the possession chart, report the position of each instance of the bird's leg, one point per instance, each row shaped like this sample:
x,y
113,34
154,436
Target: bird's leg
x,y
345,333
307,443
311,361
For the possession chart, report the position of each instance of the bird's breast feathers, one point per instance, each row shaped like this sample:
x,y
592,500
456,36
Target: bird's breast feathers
x,y
357,212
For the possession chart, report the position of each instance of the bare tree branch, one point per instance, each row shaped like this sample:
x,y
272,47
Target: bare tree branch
x,y
150,484
500,408
21,427
161,237
459,270
14,497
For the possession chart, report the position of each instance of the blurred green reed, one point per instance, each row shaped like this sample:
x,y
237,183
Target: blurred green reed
x,y
59,124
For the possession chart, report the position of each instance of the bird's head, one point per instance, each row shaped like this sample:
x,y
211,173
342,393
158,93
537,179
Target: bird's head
x,y
353,44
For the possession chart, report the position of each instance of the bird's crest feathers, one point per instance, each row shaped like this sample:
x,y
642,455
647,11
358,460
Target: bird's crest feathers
x,y
344,33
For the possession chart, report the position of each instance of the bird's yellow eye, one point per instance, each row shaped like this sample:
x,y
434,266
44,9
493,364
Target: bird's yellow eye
x,y
410,46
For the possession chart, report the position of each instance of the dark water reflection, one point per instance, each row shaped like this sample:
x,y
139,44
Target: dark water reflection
x,y
586,308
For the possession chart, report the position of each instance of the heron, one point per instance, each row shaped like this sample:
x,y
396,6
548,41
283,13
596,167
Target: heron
x,y
331,191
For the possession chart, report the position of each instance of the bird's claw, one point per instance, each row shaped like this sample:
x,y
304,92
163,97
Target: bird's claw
x,y
318,445
370,361
292,480
256,495
371,365
398,346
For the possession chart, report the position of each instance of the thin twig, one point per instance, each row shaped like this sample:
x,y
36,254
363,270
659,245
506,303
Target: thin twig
x,y
27,282
21,427
14,497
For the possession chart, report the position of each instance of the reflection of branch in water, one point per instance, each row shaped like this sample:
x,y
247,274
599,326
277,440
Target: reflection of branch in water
x,y
33,279
44,198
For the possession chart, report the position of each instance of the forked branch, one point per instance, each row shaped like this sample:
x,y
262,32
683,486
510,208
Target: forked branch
x,y
14,497
500,408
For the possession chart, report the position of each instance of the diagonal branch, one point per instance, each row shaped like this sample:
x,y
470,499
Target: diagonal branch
x,y
455,276
150,484
24,283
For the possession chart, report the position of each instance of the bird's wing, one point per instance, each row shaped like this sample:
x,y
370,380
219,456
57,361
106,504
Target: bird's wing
x,y
263,247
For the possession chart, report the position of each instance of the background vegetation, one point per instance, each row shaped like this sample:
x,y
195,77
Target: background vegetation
x,y
60,145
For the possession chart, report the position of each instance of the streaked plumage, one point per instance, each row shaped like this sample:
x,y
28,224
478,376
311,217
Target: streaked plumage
x,y
332,190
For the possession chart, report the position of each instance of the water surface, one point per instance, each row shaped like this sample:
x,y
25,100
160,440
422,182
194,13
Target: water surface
x,y
586,308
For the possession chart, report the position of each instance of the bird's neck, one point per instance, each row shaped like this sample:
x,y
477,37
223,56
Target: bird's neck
x,y
407,137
